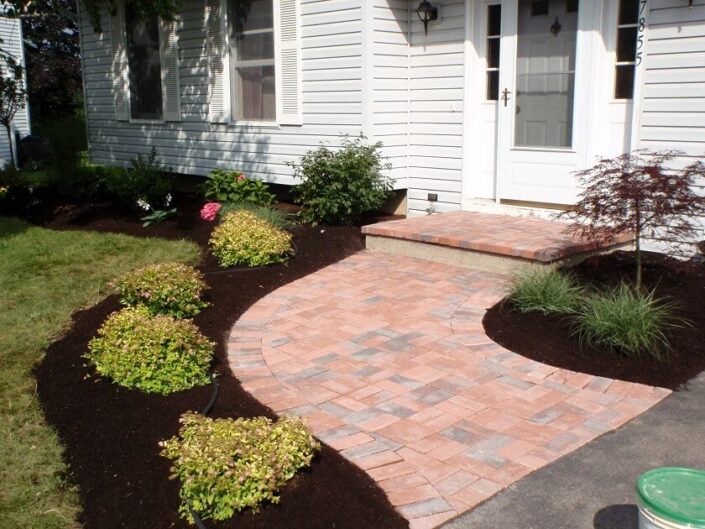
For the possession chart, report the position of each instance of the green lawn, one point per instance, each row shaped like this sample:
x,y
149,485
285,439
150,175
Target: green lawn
x,y
44,277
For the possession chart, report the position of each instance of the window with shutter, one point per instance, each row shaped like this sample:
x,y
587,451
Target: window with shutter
x,y
144,65
215,41
289,102
170,72
119,60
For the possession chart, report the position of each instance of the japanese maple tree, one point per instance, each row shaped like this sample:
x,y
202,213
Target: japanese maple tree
x,y
640,193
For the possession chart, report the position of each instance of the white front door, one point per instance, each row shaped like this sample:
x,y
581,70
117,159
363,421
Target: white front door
x,y
544,96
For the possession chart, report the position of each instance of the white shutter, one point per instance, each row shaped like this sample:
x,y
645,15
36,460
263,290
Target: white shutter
x,y
289,103
170,70
215,48
121,102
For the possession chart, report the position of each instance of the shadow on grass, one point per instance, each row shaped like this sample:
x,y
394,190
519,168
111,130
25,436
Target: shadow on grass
x,y
617,517
10,226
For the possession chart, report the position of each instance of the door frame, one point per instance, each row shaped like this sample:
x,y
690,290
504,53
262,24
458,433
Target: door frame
x,y
588,114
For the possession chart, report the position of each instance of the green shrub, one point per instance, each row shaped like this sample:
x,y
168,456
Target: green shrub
x,y
146,184
340,186
157,354
242,238
168,288
271,214
227,465
631,321
545,291
235,187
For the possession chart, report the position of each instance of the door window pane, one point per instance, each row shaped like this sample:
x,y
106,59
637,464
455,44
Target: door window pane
x,y
252,52
626,44
494,27
627,31
144,65
545,81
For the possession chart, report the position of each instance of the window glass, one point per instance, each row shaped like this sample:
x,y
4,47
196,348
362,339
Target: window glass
x,y
539,8
252,52
494,27
144,65
626,45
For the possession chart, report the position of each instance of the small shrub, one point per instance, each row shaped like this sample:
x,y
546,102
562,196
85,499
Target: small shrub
x,y
168,288
242,238
271,214
157,354
545,291
628,319
146,184
233,186
227,465
340,186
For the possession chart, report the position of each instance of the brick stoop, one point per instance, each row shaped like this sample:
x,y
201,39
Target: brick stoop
x,y
485,241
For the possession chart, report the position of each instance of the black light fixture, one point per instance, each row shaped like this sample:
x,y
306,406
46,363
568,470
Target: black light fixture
x,y
426,13
556,28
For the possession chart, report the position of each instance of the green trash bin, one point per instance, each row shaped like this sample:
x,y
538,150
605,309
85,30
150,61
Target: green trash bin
x,y
671,498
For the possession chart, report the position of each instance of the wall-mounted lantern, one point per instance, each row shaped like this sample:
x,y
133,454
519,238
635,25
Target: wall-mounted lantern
x,y
556,28
426,13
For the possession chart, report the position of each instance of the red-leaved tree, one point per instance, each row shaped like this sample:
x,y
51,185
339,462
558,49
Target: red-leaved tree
x,y
638,193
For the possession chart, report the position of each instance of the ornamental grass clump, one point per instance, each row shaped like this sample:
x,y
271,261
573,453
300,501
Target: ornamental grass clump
x,y
174,289
156,354
546,291
630,320
271,214
227,465
242,238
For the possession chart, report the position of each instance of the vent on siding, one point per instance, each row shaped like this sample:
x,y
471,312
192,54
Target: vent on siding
x,y
290,108
119,58
217,109
170,71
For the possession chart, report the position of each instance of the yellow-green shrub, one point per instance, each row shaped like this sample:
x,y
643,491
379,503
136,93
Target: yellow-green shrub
x,y
227,465
157,354
168,288
242,238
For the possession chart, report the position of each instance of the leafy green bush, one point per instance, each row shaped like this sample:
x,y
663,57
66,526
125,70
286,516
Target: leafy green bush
x,y
271,214
545,291
242,238
146,184
157,354
227,465
25,190
234,187
630,320
340,186
168,288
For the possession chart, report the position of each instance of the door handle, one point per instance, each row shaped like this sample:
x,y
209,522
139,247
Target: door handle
x,y
505,96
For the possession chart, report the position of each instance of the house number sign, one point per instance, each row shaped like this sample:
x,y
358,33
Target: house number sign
x,y
641,29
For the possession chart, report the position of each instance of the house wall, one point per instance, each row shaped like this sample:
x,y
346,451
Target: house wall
x,y
332,99
436,108
11,35
672,106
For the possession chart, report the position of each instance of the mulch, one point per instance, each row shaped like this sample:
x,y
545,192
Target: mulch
x,y
111,434
550,339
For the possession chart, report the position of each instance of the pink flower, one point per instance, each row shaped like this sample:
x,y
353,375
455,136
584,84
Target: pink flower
x,y
210,211
241,177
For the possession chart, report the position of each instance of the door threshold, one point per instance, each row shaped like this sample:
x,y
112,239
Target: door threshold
x,y
514,208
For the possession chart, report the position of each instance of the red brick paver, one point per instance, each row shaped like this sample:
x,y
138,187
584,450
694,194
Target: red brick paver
x,y
525,237
387,360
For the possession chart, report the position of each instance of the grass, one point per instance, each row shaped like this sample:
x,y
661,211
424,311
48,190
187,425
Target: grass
x,y
545,291
44,277
629,320
273,215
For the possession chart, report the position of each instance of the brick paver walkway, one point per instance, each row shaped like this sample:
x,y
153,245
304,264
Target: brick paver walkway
x,y
528,238
387,360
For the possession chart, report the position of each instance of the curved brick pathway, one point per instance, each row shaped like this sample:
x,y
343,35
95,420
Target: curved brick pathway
x,y
387,360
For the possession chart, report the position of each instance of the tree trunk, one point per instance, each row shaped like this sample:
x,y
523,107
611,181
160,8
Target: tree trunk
x,y
637,243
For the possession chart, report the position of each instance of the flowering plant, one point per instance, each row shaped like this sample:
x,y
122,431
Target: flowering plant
x,y
210,210
234,186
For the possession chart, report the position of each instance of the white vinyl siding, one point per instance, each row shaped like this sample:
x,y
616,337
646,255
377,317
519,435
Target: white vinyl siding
x,y
436,121
11,35
331,76
673,93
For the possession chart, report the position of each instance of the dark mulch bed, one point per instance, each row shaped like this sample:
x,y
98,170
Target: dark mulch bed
x,y
111,434
549,339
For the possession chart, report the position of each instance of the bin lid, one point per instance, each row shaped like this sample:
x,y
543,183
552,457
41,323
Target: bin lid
x,y
675,494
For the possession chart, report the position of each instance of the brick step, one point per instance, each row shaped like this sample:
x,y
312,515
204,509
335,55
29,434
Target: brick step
x,y
485,241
